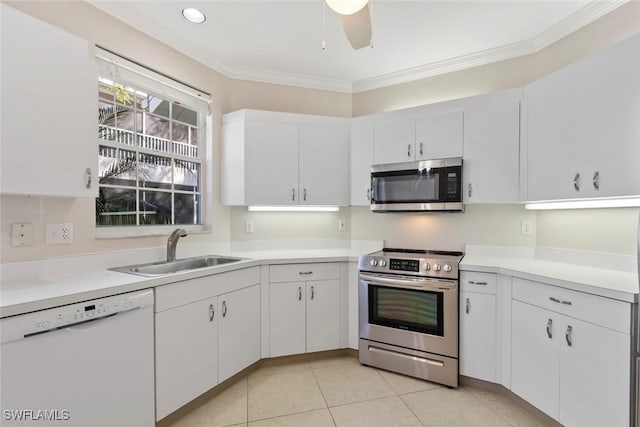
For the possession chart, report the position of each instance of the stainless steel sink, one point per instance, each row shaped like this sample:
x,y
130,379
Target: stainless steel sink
x,y
169,267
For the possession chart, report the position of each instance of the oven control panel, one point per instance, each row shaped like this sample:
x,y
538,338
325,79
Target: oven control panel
x,y
404,264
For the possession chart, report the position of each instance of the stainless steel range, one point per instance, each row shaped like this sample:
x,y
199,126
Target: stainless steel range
x,y
408,305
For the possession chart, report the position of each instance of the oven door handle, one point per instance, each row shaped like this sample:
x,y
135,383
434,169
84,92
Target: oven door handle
x,y
430,284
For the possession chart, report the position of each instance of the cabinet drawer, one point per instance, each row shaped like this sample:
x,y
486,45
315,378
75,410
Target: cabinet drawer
x,y
188,291
472,281
598,310
304,272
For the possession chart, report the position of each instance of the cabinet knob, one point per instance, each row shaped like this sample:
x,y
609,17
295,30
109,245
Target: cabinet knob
x,y
596,180
576,182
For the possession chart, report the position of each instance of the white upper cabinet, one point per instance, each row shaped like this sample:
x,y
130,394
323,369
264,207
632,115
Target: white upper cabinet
x,y
274,158
49,97
582,124
361,159
439,136
435,135
324,165
491,148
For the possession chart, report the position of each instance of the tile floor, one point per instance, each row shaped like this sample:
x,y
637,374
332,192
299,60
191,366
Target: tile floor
x,y
340,392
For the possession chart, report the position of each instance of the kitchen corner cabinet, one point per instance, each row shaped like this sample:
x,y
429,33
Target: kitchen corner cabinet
x,y
206,330
49,98
281,159
478,325
582,127
304,308
492,148
428,136
571,354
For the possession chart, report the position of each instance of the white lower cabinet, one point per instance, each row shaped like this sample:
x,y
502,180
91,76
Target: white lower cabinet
x,y
478,325
304,316
574,370
186,354
239,331
206,330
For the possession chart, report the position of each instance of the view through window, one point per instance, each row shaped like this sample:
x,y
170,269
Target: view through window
x,y
149,158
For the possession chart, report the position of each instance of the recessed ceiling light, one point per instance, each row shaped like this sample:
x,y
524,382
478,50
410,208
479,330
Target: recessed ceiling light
x,y
193,15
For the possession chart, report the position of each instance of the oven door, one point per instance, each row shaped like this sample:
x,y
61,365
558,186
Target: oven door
x,y
417,186
411,312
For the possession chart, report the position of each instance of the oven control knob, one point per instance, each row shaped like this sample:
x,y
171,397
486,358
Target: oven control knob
x,y
436,267
446,268
382,263
373,262
427,267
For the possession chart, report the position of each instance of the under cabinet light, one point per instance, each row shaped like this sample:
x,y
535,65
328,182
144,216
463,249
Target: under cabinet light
x,y
585,204
294,208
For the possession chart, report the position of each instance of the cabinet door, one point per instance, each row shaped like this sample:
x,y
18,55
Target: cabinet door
x,y
478,335
287,328
271,163
361,158
323,315
439,136
239,331
583,119
186,354
491,149
394,141
594,375
535,340
49,97
324,165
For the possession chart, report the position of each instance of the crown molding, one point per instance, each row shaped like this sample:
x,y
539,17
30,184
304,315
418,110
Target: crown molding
x,y
291,80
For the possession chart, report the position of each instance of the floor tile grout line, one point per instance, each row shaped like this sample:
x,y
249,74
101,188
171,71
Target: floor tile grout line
x,y
324,398
388,383
410,410
286,415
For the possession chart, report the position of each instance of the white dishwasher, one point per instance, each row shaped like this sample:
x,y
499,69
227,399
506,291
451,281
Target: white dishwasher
x,y
85,364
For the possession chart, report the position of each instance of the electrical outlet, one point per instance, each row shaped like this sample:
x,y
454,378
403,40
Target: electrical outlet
x,y
526,228
59,233
248,226
342,225
21,234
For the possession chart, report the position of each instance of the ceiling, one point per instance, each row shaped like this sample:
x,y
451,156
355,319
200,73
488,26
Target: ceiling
x,y
281,41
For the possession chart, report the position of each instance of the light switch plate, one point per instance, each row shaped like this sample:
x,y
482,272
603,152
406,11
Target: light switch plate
x,y
22,234
248,226
342,225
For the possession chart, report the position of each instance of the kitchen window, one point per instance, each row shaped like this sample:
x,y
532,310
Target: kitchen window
x,y
150,147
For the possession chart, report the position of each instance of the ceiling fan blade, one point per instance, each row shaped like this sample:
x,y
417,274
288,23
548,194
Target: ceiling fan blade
x,y
357,27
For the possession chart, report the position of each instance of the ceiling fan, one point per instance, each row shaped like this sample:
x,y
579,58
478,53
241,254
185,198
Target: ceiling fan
x,y
356,20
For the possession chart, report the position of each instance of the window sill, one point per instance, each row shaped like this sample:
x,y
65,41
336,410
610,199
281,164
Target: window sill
x,y
145,231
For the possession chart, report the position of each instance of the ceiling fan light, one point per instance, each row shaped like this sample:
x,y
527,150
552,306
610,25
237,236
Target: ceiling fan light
x,y
193,15
346,7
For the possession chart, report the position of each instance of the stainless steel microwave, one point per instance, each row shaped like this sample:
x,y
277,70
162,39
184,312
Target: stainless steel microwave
x,y
428,185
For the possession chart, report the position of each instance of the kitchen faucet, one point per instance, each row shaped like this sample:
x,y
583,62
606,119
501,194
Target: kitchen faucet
x,y
172,242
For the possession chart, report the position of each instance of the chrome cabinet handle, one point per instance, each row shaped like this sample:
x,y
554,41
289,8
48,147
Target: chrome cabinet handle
x,y
567,336
560,301
368,194
409,150
469,185
576,182
88,178
421,148
305,273
312,292
467,307
299,293
596,180
212,312
549,325
293,194
471,282
224,309
304,194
